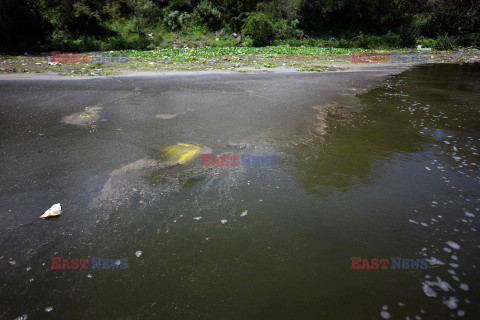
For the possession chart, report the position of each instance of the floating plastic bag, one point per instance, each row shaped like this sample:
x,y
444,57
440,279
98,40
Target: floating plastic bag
x,y
54,211
181,152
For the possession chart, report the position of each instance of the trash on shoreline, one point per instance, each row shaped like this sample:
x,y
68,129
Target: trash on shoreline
x,y
54,211
138,253
244,213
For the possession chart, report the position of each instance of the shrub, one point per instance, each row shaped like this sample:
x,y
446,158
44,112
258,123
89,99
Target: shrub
x,y
206,14
260,28
408,34
175,20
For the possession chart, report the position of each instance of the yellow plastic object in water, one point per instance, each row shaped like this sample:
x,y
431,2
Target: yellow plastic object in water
x,y
181,152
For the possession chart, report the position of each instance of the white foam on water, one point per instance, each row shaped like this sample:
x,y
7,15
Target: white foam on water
x,y
464,286
429,292
434,261
451,303
453,245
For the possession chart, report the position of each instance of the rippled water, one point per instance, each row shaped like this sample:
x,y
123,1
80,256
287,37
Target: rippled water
x,y
392,173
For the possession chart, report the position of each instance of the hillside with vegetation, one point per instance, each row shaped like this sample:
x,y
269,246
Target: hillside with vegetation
x,y
92,25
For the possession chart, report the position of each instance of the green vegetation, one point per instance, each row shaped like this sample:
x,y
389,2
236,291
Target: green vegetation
x,y
90,25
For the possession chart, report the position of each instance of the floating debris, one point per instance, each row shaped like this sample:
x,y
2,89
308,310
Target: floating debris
x,y
223,221
48,309
197,218
138,253
54,211
244,213
165,116
182,152
22,317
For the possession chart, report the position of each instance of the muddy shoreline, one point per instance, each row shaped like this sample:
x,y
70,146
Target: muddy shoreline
x,y
247,63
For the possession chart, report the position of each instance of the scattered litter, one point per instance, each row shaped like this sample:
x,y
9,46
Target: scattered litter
x,y
22,317
244,213
428,168
138,253
197,218
89,275
223,221
54,211
385,315
48,309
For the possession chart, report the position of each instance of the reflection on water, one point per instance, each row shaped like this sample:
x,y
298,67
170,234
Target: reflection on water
x,y
394,173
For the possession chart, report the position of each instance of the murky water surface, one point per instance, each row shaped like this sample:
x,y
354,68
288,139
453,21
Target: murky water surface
x,y
392,173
